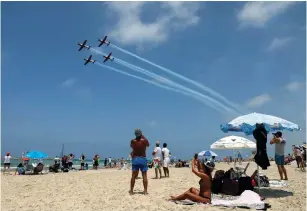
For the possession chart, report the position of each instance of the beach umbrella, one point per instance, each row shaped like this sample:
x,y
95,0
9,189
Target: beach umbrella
x,y
207,153
247,124
233,142
36,155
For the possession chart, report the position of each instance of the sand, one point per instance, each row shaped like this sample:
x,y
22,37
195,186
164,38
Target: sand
x,y
108,190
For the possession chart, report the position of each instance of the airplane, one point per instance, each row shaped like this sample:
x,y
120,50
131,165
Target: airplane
x,y
83,45
103,41
89,59
108,57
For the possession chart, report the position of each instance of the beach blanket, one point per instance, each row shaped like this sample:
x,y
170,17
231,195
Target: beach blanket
x,y
278,184
247,199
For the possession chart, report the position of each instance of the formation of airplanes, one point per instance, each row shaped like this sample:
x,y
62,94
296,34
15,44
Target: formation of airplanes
x,y
89,59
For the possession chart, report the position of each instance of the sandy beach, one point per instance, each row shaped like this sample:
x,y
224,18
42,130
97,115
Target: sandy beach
x,y
108,190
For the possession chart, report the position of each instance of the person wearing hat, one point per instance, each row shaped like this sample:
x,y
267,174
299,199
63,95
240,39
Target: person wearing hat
x,y
139,162
280,154
157,153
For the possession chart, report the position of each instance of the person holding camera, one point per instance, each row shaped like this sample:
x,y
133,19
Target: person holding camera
x,y
280,143
203,194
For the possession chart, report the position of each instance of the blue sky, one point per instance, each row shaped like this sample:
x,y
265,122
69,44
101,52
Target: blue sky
x,y
251,53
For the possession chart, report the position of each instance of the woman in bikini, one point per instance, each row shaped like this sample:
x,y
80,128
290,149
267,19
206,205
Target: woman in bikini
x,y
203,195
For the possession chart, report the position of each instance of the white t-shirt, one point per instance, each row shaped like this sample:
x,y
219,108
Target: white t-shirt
x,y
166,152
7,159
158,153
110,160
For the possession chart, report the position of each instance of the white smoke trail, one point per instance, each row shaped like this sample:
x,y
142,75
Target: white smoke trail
x,y
159,85
168,82
199,85
172,83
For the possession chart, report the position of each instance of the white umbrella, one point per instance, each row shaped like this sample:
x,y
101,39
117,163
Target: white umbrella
x,y
233,142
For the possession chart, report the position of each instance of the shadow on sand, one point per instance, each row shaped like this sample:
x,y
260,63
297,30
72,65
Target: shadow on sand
x,y
273,193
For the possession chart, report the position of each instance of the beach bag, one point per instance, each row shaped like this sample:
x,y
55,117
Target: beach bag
x,y
264,181
217,181
245,183
230,187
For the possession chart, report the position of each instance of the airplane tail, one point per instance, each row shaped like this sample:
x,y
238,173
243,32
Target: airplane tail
x,y
108,44
89,47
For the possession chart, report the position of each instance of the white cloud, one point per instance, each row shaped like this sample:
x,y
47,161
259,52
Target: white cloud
x,y
294,86
257,14
69,82
278,43
152,123
130,29
259,101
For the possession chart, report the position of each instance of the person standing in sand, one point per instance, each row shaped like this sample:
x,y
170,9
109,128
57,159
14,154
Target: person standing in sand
x,y
139,161
7,162
157,153
166,160
280,154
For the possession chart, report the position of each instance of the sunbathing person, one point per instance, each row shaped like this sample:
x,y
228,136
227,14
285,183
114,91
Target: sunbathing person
x,y
203,195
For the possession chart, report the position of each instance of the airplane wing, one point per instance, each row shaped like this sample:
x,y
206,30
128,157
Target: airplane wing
x,y
100,43
87,61
80,48
106,59
84,42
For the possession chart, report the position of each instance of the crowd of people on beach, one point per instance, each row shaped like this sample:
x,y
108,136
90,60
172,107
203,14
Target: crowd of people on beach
x,y
204,168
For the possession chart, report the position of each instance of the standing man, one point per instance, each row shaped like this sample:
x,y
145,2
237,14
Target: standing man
x,y
297,158
157,153
110,162
139,161
279,154
166,159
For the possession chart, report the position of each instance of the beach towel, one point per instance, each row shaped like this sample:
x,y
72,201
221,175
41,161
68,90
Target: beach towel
x,y
248,199
278,184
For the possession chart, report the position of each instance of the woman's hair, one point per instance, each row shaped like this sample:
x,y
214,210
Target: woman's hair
x,y
165,145
7,154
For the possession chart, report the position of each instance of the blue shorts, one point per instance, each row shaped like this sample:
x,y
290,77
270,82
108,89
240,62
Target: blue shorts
x,y
139,163
279,160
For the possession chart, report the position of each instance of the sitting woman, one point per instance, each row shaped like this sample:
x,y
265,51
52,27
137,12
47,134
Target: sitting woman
x,y
20,170
203,195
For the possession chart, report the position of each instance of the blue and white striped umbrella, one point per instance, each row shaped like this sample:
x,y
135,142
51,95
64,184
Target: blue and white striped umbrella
x,y
247,124
207,153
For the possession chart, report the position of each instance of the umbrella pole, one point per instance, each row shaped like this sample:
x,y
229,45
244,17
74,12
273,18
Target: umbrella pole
x,y
258,179
233,158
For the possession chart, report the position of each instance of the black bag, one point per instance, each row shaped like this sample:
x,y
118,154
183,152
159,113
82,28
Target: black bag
x,y
216,187
245,183
230,187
